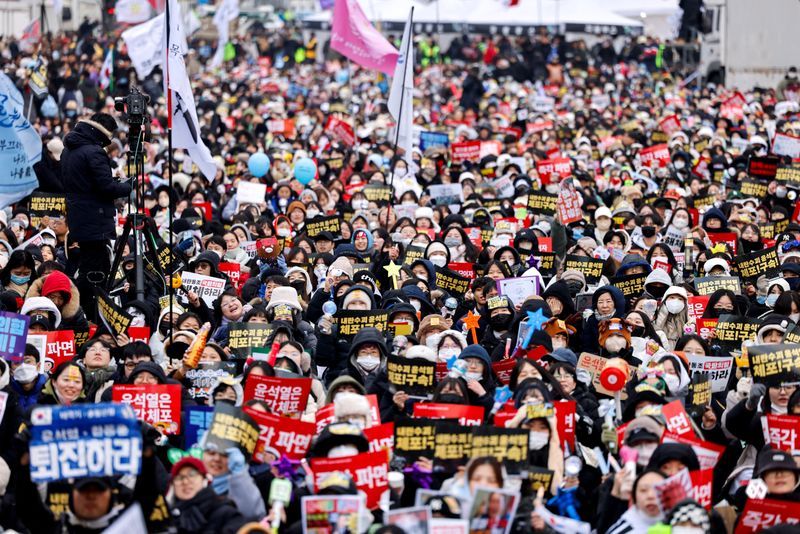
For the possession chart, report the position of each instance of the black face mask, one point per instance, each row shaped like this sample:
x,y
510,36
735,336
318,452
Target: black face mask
x,y
716,312
574,288
163,328
751,246
451,398
638,331
648,231
299,286
177,349
657,291
500,322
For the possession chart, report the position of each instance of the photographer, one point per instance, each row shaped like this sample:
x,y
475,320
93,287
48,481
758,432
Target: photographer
x,y
91,191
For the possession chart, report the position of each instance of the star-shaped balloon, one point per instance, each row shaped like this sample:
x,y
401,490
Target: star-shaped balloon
x,y
471,320
393,270
286,466
535,320
533,261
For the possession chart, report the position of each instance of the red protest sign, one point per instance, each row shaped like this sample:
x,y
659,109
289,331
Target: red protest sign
x,y
547,167
506,413
697,305
157,404
205,207
463,268
291,437
677,419
656,155
283,127
569,205
736,100
368,470
565,422
761,514
670,125
60,346
545,244
539,126
139,333
285,396
706,327
341,131
729,238
466,415
467,151
234,272
503,368
702,485
441,371
325,415
490,148
707,453
781,431
380,437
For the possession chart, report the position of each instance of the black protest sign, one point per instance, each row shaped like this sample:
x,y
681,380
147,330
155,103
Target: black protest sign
x,y
708,284
539,477
753,265
112,316
350,322
699,393
793,335
509,446
753,188
231,427
789,174
413,253
317,225
763,168
591,268
546,264
704,201
769,230
414,438
244,337
170,261
453,445
732,330
775,364
415,376
46,205
206,375
378,193
452,282
631,285
542,202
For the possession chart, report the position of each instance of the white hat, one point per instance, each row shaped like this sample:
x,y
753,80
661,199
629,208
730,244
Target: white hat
x,y
423,213
55,146
421,351
347,403
466,175
677,291
757,140
602,211
286,296
716,262
780,282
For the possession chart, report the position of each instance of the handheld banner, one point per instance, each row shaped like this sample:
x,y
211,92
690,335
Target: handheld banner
x,y
231,427
285,396
158,404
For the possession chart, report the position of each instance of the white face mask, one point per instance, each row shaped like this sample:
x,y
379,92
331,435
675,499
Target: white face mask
x,y
284,232
680,223
675,305
615,344
474,376
772,299
25,373
673,382
310,214
537,440
795,317
679,164
558,343
368,363
163,202
645,453
551,188
446,354
603,224
687,530
342,450
439,261
417,304
361,204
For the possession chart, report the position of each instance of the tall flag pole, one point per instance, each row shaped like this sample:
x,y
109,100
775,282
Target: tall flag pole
x,y
171,290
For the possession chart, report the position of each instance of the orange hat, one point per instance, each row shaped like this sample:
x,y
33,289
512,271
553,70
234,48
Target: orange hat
x,y
612,327
557,326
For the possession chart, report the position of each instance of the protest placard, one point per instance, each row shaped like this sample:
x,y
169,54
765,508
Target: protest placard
x,y
789,174
205,376
699,395
350,322
670,124
46,205
55,347
729,239
331,513
631,285
594,365
677,419
518,289
135,333
84,440
465,415
377,193
250,192
732,330
414,520
707,453
285,396
569,204
696,306
542,203
655,156
553,170
446,194
717,368
762,262
284,127
380,436
492,511
761,514
508,445
673,490
414,438
207,288
753,188
290,437
233,271
244,337
791,336
340,130
780,431
565,414
786,145
774,363
196,421
452,282
157,404
702,486
705,327
466,151
414,376
114,318
706,285
170,261
503,368
369,471
539,477
325,415
463,269
231,427
591,268
316,226
452,445
433,140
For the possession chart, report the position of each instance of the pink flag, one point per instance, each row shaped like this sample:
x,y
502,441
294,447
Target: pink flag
x,y
354,37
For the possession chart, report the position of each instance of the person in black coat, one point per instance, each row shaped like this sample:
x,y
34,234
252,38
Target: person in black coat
x,y
48,169
472,90
91,191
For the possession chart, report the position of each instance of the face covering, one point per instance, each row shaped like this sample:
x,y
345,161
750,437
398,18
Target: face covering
x,y
25,373
284,232
795,317
551,188
537,440
400,172
358,423
417,304
614,344
310,214
342,450
163,202
163,328
574,288
439,261
451,398
446,354
679,164
751,246
687,530
675,306
558,344
500,322
474,376
638,331
645,453
452,242
648,231
368,363
600,317
771,300
20,280
361,204
680,223
673,382
794,283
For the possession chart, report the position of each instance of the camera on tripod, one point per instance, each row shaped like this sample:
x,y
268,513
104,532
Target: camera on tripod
x,y
134,106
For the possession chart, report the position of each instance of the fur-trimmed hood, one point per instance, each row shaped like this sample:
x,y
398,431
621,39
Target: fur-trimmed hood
x,y
70,309
41,303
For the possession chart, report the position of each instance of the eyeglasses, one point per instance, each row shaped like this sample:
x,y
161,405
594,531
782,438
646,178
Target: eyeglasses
x,y
188,476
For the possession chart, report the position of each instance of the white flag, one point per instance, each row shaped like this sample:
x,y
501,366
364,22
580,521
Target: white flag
x,y
185,126
145,45
227,11
22,146
107,70
132,11
402,92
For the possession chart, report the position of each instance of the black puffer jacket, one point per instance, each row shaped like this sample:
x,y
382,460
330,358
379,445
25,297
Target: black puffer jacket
x,y
207,512
91,190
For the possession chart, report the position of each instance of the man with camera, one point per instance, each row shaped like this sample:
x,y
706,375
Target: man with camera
x,y
91,191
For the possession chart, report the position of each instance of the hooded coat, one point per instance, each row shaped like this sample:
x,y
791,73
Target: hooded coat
x,y
91,190
590,333
72,315
207,512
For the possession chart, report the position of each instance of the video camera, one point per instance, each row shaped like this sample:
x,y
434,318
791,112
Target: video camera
x,y
134,106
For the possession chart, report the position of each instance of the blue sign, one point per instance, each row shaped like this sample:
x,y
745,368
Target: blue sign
x,y
88,440
198,420
433,139
13,335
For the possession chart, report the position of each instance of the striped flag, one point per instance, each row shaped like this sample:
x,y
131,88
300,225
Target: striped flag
x,y
107,72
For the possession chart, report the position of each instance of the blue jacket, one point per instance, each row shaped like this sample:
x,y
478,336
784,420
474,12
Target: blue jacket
x,y
28,399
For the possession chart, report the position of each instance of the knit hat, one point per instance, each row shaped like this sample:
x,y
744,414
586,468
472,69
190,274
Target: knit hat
x,y
611,327
423,213
57,281
296,205
286,296
675,291
421,351
692,512
346,404
431,324
642,428
356,293
341,381
343,264
187,461
434,247
476,351
573,274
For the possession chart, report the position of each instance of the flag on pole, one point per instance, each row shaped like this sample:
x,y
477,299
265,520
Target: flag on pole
x,y
227,11
22,146
354,36
132,11
107,72
402,92
183,112
31,34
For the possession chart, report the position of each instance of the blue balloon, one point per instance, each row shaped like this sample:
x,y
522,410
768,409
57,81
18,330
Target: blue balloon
x,y
305,170
258,164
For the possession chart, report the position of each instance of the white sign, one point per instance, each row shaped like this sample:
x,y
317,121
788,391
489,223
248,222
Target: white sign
x,y
207,288
786,145
543,104
518,289
250,193
718,369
